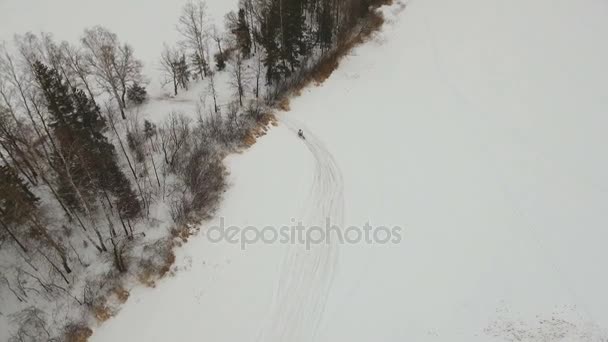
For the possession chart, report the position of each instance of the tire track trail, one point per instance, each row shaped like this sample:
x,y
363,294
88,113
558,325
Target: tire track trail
x,y
306,276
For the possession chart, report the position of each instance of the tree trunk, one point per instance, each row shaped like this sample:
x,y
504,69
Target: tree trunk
x,y
154,164
10,233
55,267
60,251
16,163
118,259
122,147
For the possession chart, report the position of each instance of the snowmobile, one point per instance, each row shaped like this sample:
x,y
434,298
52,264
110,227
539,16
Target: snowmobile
x,y
301,134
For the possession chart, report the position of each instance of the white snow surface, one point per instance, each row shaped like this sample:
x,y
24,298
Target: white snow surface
x,y
476,125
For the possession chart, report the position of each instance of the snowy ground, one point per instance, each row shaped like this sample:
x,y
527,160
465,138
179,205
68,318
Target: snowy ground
x,y
479,127
146,26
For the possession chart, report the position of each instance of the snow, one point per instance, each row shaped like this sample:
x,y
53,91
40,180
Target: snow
x,y
476,125
132,22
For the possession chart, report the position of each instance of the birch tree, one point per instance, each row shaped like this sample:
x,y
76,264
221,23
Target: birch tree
x,y
113,64
193,26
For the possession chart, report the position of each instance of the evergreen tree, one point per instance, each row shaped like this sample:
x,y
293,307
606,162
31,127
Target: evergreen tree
x,y
200,64
87,159
325,25
243,34
149,129
17,204
136,146
269,39
293,22
16,198
18,207
220,61
182,72
137,94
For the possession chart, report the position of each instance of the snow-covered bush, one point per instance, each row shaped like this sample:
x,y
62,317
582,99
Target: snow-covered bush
x,y
137,94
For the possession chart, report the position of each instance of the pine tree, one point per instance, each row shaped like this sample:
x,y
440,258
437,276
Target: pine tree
x,y
137,94
87,158
200,64
268,37
325,25
293,22
220,61
243,34
16,198
149,129
18,207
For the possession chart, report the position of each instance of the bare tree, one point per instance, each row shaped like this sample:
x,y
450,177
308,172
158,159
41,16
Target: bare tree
x,y
32,326
258,70
16,93
193,27
218,38
128,70
174,136
110,117
169,61
238,75
113,64
213,91
44,49
78,66
13,235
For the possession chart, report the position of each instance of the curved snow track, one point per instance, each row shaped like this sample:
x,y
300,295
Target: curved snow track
x,y
307,274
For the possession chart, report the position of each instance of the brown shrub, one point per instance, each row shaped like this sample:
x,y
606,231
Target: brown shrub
x,y
326,67
318,71
77,333
328,64
146,277
260,129
159,258
284,104
102,313
249,139
166,267
121,294
182,233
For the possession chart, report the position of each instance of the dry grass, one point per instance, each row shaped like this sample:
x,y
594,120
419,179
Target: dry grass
x,y
284,104
158,263
331,62
151,273
121,294
102,313
78,333
259,130
169,261
183,233
147,278
321,71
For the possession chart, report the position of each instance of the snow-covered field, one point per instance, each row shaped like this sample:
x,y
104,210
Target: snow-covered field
x,y
476,125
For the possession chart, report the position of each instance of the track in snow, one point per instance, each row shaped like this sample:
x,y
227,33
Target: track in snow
x,y
307,275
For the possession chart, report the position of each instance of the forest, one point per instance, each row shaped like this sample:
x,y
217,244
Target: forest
x,y
92,193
